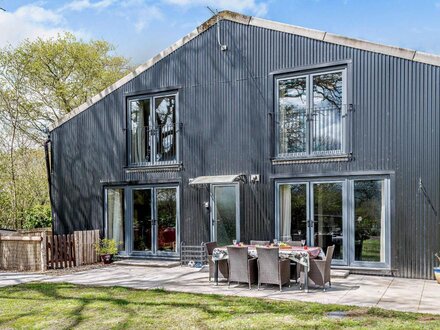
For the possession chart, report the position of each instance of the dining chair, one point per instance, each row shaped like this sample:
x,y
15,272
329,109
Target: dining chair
x,y
223,271
255,242
320,269
241,267
272,269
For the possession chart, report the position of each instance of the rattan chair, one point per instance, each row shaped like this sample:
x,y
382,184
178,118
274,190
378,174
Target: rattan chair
x,y
255,242
320,269
272,269
241,267
223,271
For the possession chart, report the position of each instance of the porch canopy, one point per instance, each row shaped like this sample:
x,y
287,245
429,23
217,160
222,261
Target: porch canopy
x,y
217,179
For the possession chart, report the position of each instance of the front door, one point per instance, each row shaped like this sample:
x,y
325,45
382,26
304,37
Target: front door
x,y
225,214
154,221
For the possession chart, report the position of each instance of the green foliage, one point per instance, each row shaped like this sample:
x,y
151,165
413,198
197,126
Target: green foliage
x,y
106,246
40,81
39,216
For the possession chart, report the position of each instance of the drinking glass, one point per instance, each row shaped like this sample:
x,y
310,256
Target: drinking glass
x,y
303,242
275,242
234,242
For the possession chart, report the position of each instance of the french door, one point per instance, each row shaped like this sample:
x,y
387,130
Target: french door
x,y
314,212
225,213
153,224
350,213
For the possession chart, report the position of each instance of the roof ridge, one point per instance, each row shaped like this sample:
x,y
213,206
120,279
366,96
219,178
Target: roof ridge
x,y
409,54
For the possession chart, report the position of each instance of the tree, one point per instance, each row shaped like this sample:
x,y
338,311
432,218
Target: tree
x,y
40,81
58,75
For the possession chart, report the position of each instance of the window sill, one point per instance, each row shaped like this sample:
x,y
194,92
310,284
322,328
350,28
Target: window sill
x,y
173,167
312,159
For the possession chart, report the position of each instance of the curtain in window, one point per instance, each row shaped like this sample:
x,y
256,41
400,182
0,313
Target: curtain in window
x,y
286,213
115,216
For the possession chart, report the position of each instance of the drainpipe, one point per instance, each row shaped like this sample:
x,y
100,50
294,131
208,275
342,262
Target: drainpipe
x,y
49,181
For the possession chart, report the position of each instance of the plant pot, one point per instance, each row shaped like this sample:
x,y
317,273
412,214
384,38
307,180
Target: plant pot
x,y
437,274
106,258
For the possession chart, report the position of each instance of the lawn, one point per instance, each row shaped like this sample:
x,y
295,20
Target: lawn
x,y
64,306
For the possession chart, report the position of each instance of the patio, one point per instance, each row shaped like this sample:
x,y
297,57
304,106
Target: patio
x,y
368,291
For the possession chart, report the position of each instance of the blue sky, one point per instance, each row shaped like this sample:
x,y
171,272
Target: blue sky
x,y
141,28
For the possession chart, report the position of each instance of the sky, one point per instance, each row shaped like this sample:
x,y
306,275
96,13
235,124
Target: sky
x,y
139,29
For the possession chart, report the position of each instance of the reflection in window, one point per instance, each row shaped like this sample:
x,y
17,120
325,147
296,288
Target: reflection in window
x,y
166,219
328,220
115,221
153,131
327,112
310,114
369,221
166,128
292,115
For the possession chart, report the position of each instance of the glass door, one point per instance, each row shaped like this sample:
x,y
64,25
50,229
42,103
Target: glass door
x,y
225,214
314,212
142,218
166,223
154,221
328,221
293,212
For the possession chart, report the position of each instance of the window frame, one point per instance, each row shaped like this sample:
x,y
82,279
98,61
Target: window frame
x,y
309,74
152,97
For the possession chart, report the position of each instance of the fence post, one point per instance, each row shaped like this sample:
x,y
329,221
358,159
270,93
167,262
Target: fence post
x,y
43,251
77,241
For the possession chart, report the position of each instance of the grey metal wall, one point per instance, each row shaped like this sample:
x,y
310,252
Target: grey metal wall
x,y
225,99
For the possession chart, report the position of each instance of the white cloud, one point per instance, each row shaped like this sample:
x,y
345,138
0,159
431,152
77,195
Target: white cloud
x,y
254,7
145,16
79,5
30,22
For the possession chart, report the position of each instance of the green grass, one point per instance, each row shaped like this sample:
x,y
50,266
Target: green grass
x,y
371,249
65,306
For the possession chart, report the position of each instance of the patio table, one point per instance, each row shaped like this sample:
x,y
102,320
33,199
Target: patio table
x,y
298,254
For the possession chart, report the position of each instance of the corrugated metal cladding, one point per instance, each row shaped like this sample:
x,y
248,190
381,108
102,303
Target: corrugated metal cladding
x,y
225,101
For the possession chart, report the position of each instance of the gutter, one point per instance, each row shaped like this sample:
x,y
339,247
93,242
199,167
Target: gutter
x,y
47,145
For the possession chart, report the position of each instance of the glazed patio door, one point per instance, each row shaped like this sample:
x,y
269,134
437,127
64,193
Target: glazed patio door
x,y
225,214
154,221
314,212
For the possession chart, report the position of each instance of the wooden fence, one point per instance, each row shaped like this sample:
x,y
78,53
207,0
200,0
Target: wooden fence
x,y
60,251
77,249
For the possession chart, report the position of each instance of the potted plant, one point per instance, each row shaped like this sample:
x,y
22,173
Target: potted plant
x,y
437,269
106,248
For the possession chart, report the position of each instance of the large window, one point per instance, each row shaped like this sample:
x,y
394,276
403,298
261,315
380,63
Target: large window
x,y
310,114
153,130
351,214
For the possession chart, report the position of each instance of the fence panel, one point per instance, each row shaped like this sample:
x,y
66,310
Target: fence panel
x,y
60,251
85,241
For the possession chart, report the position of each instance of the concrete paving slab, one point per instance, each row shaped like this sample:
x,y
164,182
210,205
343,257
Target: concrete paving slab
x,y
8,279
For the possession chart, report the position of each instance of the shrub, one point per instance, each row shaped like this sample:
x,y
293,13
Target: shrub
x,y
39,216
106,246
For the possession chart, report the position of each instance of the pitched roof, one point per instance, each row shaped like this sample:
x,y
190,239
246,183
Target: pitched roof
x,y
409,54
